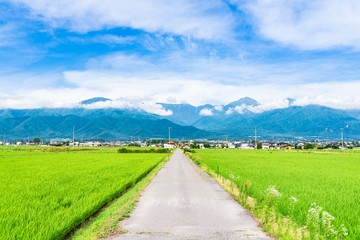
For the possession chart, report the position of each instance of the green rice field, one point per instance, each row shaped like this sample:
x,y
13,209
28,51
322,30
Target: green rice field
x,y
44,195
297,180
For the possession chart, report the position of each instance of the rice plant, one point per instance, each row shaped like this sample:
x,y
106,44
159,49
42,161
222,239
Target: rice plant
x,y
46,194
317,190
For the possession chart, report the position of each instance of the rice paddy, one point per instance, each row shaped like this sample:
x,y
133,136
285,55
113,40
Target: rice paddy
x,y
44,195
319,190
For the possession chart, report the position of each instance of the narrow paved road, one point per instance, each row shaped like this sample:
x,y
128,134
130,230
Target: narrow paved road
x,y
182,202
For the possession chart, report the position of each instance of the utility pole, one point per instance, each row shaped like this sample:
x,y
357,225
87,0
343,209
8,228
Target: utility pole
x,y
255,139
73,137
169,134
342,138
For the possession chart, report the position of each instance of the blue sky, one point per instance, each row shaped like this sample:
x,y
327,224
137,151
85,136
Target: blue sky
x,y
57,53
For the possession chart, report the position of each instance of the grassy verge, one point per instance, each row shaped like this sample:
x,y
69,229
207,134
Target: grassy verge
x,y
317,191
105,223
273,223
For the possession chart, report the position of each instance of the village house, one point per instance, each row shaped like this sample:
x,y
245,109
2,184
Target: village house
x,y
265,145
169,145
300,145
245,145
273,145
201,145
282,145
231,145
218,145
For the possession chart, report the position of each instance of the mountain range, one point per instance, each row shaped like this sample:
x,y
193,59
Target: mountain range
x,y
237,119
241,117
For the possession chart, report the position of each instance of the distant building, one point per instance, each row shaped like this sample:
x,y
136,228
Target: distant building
x,y
300,145
170,145
167,145
186,146
218,145
245,145
273,145
201,145
282,145
265,145
75,143
231,145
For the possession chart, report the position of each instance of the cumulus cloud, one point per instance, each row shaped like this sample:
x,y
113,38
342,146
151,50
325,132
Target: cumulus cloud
x,y
145,94
317,24
212,20
267,105
206,112
45,99
218,108
120,76
229,111
147,105
173,77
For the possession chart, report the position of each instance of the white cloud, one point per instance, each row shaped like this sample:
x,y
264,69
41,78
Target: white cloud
x,y
147,105
240,109
112,39
7,34
182,64
206,112
317,24
59,98
212,20
171,78
145,93
219,108
229,111
267,105
109,39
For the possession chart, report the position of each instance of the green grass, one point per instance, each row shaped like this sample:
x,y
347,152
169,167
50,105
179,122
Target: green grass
x,y
330,179
44,195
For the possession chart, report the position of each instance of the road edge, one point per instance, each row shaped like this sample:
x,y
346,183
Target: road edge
x,y
105,224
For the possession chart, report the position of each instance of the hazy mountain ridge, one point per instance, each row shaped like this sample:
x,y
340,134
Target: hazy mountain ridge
x,y
102,127
218,121
312,120
187,114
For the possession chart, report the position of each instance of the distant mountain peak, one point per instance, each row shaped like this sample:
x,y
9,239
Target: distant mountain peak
x,y
94,100
291,101
245,100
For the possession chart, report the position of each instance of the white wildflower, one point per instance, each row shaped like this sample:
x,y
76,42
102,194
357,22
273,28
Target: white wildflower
x,y
272,194
293,200
343,231
314,215
327,218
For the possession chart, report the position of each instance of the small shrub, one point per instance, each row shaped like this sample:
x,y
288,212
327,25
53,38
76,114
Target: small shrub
x,y
309,146
188,150
123,150
146,150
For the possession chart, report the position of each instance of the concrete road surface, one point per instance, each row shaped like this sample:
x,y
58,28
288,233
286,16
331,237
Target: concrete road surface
x,y
183,202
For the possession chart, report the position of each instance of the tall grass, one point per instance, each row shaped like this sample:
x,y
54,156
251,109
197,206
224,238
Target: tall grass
x,y
318,190
45,195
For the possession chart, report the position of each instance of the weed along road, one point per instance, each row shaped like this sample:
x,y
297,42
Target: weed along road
x,y
182,202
